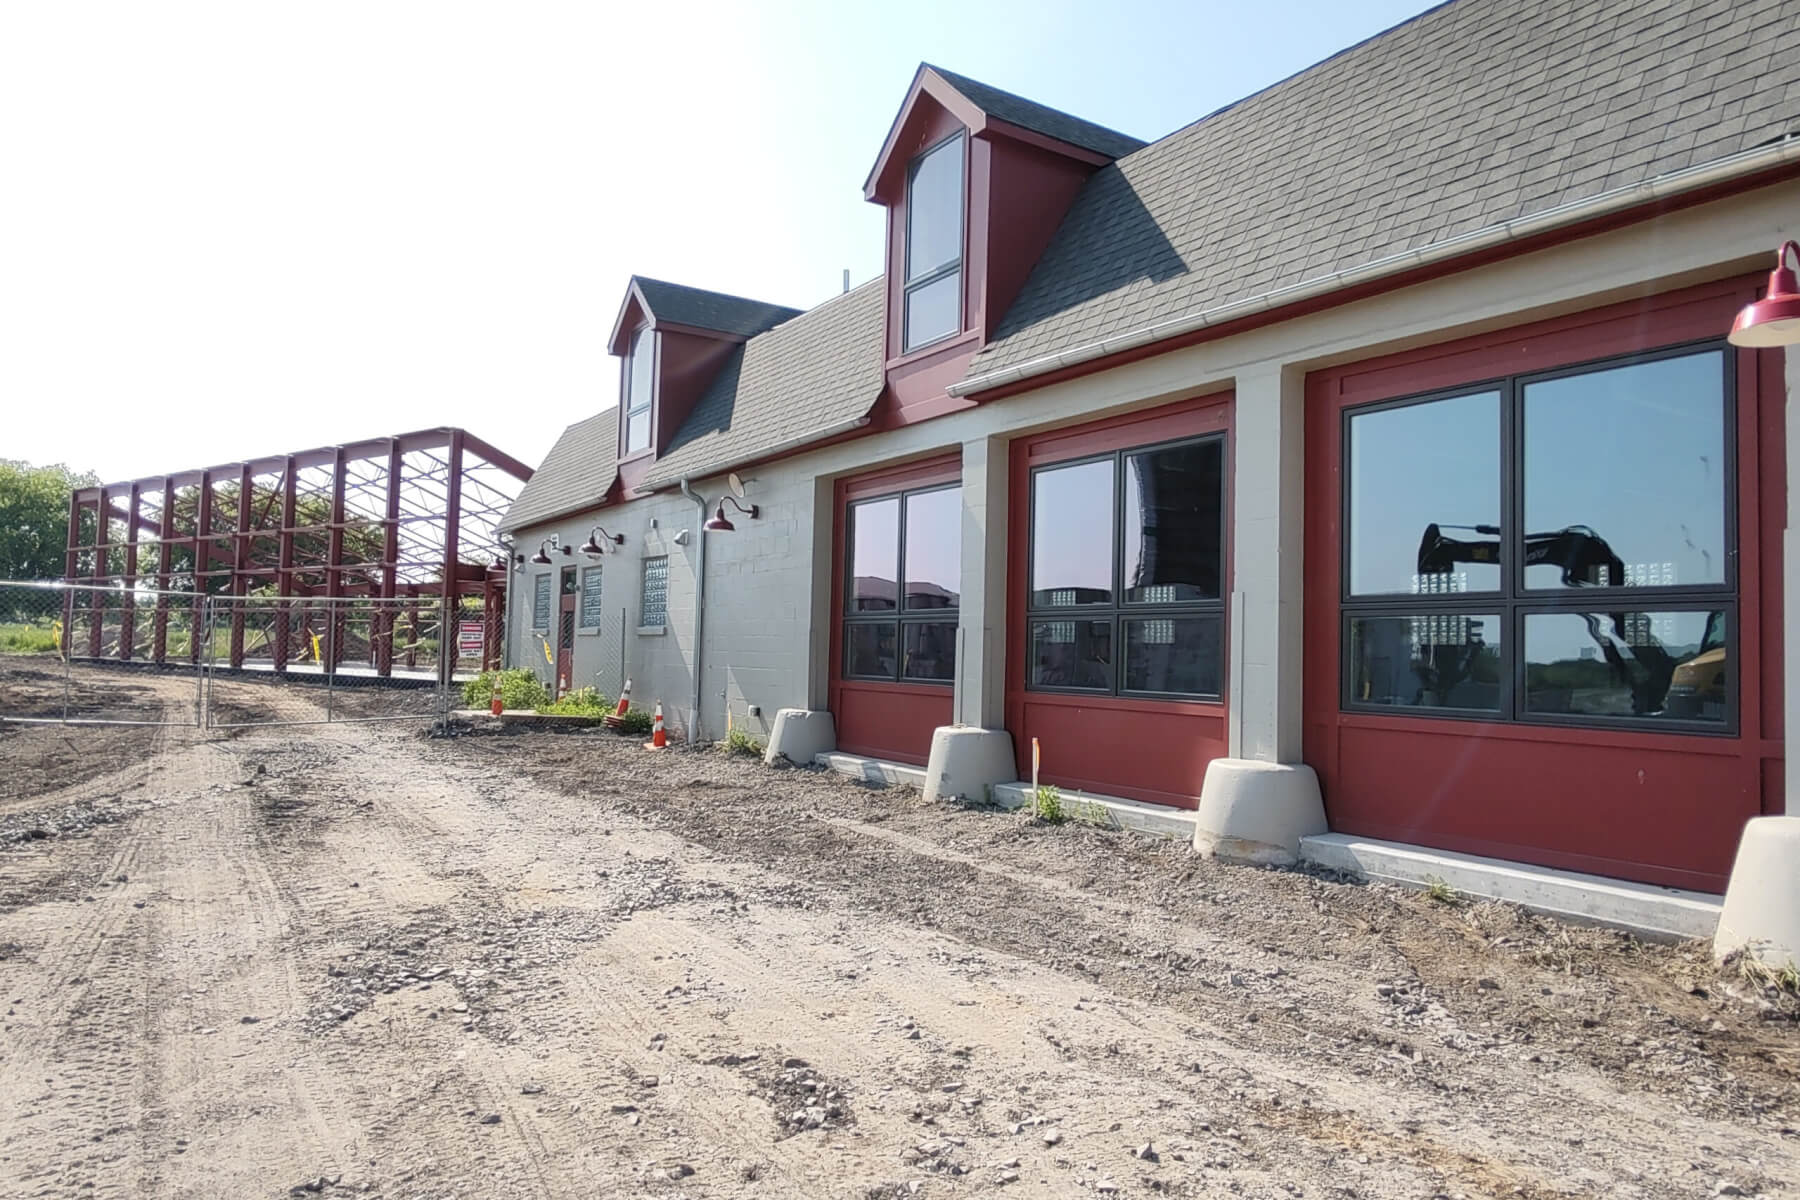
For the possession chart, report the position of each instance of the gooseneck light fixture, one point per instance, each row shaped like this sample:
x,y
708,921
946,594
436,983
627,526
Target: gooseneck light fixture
x,y
1775,319
542,557
720,523
592,547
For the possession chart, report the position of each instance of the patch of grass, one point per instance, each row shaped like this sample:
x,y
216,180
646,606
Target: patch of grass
x,y
637,722
1047,805
519,689
1439,892
740,742
582,702
28,639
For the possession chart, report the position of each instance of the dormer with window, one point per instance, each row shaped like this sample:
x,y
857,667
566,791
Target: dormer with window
x,y
975,182
672,341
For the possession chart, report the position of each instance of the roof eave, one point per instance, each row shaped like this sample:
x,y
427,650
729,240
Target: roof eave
x,y
925,82
1732,168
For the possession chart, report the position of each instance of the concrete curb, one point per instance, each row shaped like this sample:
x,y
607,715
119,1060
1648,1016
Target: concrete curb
x,y
1658,912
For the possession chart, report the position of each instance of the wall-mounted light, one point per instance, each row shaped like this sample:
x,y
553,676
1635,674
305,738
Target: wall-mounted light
x,y
1775,319
542,557
722,524
593,548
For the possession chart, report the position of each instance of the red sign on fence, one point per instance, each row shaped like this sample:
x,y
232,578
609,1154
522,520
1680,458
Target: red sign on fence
x,y
469,636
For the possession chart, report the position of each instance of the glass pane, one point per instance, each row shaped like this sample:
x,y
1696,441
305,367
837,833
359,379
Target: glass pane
x,y
1174,499
1625,476
1669,665
875,555
930,650
934,210
1173,654
1420,477
933,548
869,651
934,310
1072,654
1072,535
637,431
1442,660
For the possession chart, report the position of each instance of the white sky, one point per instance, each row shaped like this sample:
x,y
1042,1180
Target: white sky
x,y
235,229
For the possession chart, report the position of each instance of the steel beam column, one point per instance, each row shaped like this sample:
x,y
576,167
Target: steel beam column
x,y
96,604
451,617
390,564
128,613
203,506
240,555
334,567
284,562
165,564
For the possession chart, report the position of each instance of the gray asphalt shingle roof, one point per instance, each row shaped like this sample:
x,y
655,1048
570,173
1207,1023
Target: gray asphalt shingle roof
x,y
710,310
1039,118
576,474
798,381
1473,113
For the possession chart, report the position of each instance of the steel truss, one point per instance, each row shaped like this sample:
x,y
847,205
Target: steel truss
x,y
411,517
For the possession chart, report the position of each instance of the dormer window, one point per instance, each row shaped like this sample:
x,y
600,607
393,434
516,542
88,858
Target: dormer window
x,y
934,245
640,388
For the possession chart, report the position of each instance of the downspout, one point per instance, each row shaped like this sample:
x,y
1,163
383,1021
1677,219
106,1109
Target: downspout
x,y
699,608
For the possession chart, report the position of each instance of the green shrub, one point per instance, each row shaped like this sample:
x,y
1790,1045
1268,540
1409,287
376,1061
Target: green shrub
x,y
740,742
637,722
582,702
1047,805
28,639
519,688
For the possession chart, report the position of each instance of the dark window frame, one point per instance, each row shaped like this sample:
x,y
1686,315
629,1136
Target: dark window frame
x,y
909,285
1120,610
900,615
1513,602
644,337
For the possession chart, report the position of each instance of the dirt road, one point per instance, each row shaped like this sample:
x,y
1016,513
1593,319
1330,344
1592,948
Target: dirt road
x,y
356,961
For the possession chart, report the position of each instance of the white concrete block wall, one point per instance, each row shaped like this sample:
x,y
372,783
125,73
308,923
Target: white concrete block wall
x,y
759,628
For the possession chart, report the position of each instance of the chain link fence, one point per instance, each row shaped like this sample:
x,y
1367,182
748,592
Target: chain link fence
x,y
85,655
310,661
82,654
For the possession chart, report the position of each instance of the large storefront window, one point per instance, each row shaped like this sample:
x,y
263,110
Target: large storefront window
x,y
1552,547
904,560
1127,573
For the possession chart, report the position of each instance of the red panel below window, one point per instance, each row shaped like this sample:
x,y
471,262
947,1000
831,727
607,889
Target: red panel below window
x,y
890,721
1151,751
1663,815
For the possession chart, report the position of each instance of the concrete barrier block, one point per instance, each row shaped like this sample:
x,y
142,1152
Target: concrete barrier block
x,y
1257,812
801,735
1762,901
966,761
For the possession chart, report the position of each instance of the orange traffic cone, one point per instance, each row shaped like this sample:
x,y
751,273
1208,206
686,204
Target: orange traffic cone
x,y
624,700
658,740
495,705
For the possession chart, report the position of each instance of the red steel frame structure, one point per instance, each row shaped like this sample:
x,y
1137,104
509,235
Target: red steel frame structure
x,y
407,517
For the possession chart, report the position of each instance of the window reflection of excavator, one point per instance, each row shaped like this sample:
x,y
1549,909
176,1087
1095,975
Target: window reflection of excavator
x,y
1660,685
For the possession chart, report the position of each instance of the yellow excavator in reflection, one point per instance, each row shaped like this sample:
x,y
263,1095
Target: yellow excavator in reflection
x,y
1691,688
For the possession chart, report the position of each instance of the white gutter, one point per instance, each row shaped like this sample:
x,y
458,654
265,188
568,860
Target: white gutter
x,y
1659,188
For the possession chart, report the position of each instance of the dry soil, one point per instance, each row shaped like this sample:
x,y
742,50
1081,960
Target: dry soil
x,y
357,960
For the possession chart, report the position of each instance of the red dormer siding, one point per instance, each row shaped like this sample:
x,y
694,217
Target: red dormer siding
x,y
1018,185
